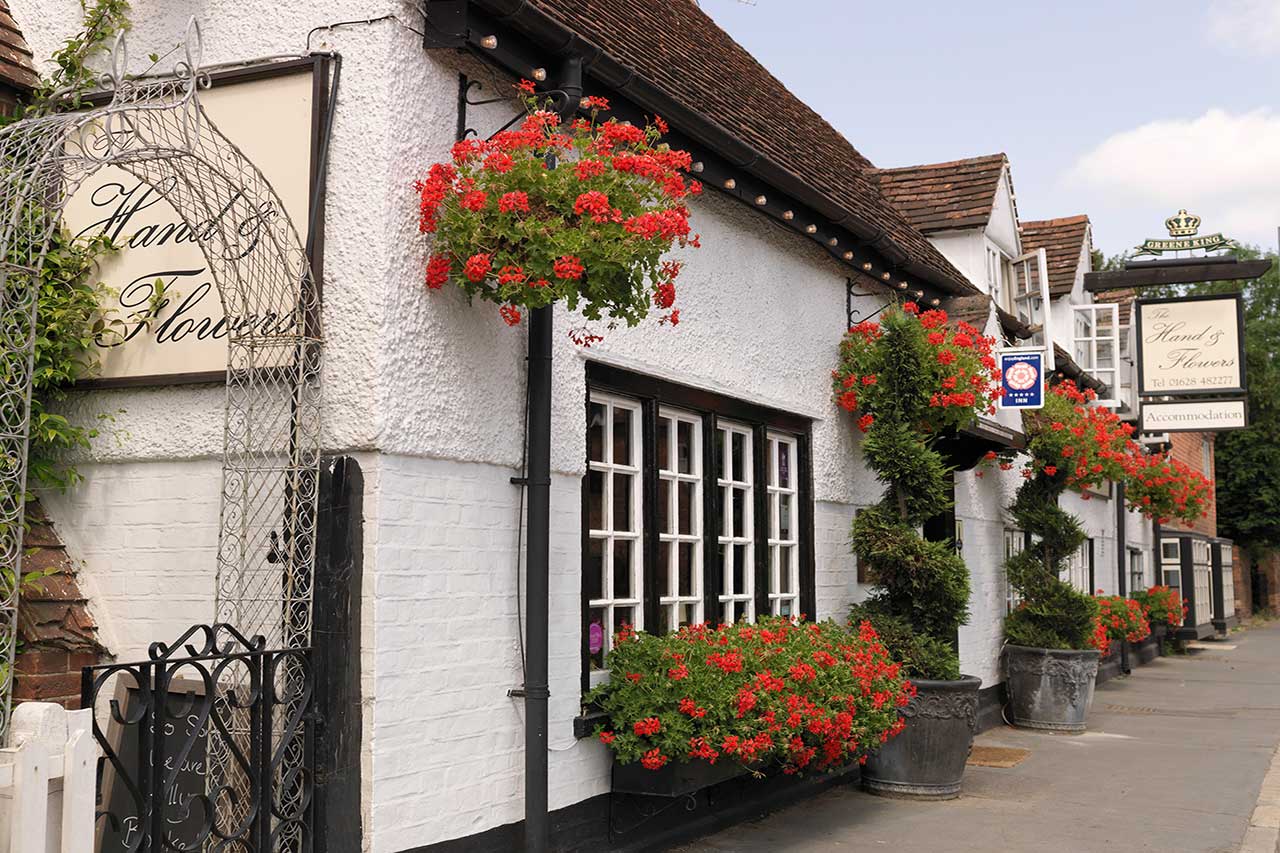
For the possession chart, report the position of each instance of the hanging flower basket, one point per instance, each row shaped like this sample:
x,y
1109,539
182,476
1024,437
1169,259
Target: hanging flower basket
x,y
581,213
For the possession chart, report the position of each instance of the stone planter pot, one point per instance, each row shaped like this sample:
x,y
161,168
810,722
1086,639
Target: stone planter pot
x,y
673,779
926,761
1050,689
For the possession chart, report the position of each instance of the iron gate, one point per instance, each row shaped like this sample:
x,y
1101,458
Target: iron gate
x,y
207,745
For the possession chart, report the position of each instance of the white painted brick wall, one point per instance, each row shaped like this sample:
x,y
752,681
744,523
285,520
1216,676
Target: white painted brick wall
x,y
146,534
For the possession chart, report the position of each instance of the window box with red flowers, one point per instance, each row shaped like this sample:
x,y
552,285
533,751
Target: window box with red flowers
x,y
698,706
580,213
908,380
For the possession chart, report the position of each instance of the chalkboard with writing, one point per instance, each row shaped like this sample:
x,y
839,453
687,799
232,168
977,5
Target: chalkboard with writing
x,y
183,811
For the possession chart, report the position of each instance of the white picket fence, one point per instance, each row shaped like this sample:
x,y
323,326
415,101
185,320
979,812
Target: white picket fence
x,y
47,781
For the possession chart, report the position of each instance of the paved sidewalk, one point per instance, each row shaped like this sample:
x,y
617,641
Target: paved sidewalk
x,y
1173,762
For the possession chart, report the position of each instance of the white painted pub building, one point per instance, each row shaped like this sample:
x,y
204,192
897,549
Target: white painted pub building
x,y
728,414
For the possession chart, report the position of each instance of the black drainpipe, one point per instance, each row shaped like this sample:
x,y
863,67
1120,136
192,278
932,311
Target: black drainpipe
x,y
1122,548
537,555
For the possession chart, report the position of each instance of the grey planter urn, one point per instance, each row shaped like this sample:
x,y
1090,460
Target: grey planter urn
x,y
1050,689
926,761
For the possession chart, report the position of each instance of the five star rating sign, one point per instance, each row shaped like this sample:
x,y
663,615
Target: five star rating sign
x,y
1022,377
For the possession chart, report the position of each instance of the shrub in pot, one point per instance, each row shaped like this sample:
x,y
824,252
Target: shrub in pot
x,y
910,378
1054,635
702,704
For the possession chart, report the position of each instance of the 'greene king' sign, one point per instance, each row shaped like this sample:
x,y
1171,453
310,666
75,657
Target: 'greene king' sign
x,y
270,119
1190,345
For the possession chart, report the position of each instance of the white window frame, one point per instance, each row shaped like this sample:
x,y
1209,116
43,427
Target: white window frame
x,y
1015,542
1087,316
790,566
671,601
1171,561
1076,572
608,535
1021,294
1140,556
729,595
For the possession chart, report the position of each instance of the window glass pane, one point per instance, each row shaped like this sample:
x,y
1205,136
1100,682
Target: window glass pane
x,y
723,510
596,632
739,470
595,500
684,447
784,465
1106,354
741,611
622,562
664,442
622,494
688,507
771,463
689,614
623,616
784,568
739,512
664,568
595,433
784,607
622,436
784,516
688,567
740,558
595,569
719,466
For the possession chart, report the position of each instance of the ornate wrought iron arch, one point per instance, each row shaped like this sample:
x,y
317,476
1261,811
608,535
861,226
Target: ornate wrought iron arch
x,y
156,129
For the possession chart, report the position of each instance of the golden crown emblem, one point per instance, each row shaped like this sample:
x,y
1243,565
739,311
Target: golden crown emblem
x,y
1182,224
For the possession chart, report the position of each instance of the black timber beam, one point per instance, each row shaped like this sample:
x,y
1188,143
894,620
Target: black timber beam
x,y
1191,271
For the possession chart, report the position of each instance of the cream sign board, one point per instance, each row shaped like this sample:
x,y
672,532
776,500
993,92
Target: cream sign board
x,y
1195,416
1190,345
269,116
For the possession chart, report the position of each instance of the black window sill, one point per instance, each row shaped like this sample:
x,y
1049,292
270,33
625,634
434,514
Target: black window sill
x,y
584,726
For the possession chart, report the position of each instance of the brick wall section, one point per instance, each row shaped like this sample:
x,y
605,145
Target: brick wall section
x,y
1242,580
1188,448
57,635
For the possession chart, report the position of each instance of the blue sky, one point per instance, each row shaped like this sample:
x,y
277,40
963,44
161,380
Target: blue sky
x,y
1124,110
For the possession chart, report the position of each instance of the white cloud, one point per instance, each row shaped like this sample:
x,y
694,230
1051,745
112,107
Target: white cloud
x,y
1252,26
1223,166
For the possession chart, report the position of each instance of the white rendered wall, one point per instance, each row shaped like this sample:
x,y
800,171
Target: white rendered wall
x,y
433,388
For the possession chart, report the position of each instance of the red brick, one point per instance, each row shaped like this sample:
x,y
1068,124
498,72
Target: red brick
x,y
42,662
47,687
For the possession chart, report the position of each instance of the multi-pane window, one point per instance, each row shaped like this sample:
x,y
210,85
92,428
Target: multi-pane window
x,y
1076,572
1097,344
696,508
680,506
612,570
1030,286
1202,571
1171,563
784,524
1137,570
1014,543
735,473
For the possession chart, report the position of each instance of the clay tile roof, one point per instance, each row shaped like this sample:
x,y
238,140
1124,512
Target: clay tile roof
x,y
679,49
945,196
16,66
1063,241
974,310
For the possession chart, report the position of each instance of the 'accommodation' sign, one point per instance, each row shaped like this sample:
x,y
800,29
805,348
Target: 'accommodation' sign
x,y
270,118
1190,345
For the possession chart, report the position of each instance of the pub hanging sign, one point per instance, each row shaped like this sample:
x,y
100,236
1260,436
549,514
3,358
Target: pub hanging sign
x,y
1190,345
